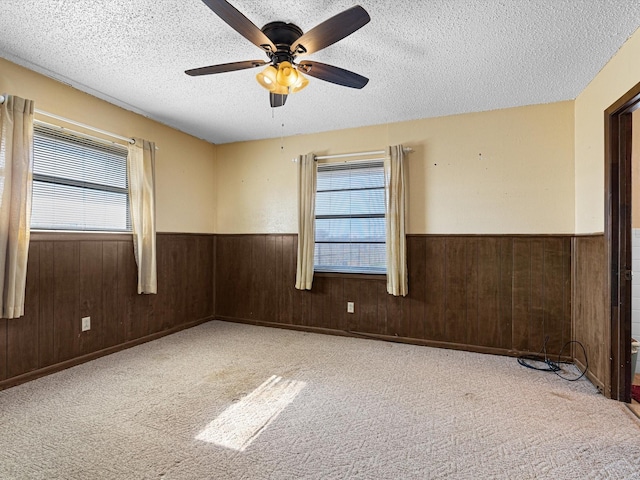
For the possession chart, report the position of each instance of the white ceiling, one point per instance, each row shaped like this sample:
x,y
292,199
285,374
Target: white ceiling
x,y
423,58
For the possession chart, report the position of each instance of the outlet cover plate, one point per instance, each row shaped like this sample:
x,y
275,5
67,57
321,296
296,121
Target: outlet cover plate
x,y
86,323
350,307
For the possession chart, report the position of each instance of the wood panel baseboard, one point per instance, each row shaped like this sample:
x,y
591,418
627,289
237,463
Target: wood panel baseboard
x,y
387,338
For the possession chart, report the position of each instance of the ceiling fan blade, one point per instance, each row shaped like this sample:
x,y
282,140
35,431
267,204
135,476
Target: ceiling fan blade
x,y
240,24
225,67
277,100
332,30
332,74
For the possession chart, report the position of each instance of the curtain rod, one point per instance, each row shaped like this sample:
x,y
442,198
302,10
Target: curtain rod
x,y
80,134
78,124
359,154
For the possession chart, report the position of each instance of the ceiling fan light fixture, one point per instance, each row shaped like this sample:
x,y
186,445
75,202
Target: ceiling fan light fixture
x,y
267,78
287,74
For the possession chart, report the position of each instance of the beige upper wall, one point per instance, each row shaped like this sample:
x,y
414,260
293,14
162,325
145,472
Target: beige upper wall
x,y
504,171
185,165
614,80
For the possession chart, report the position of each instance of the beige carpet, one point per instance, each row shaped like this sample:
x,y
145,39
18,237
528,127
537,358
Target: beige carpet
x,y
228,401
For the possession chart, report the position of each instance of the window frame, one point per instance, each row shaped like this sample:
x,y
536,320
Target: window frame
x,y
344,270
68,136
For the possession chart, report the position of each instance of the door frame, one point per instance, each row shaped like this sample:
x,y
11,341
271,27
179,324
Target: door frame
x,y
618,134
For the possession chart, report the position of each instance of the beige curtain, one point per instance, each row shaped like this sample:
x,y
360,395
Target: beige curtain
x,y
16,178
397,277
307,173
142,191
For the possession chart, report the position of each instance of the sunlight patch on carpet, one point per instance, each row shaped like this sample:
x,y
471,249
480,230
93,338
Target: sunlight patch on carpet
x,y
242,422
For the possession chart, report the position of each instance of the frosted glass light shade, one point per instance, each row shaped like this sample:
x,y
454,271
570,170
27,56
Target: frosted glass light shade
x,y
287,75
301,83
267,78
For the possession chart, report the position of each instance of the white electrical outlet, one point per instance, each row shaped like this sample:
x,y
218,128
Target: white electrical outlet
x,y
350,307
86,323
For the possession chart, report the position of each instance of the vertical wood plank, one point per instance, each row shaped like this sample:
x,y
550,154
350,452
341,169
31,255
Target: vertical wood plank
x,y
471,268
3,349
90,300
22,332
163,303
270,284
489,332
537,312
320,302
521,293
205,277
180,270
127,291
456,290
188,270
259,288
122,292
394,316
46,282
417,266
381,295
367,306
553,293
301,298
336,297
289,309
506,293
140,324
280,283
398,316
109,289
222,272
214,269
66,268
435,285
567,285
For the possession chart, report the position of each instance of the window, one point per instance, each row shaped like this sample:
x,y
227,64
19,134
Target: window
x,y
78,183
350,218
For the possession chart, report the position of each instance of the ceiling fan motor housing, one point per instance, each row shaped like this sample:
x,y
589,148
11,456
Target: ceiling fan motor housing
x,y
283,35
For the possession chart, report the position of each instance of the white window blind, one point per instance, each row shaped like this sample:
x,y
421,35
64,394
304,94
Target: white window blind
x,y
78,183
350,218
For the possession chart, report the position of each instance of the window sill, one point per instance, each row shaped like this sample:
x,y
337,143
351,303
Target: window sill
x,y
52,235
365,276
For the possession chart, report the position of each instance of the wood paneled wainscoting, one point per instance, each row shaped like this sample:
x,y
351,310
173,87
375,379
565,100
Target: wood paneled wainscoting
x,y
591,315
494,294
70,276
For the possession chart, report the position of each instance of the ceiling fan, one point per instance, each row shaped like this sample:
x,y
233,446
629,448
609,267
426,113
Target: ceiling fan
x,y
283,42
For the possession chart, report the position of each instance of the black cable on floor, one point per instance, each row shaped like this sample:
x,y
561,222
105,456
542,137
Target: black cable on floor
x,y
543,363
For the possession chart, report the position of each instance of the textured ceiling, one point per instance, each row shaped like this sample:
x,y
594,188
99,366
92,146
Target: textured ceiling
x,y
423,58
